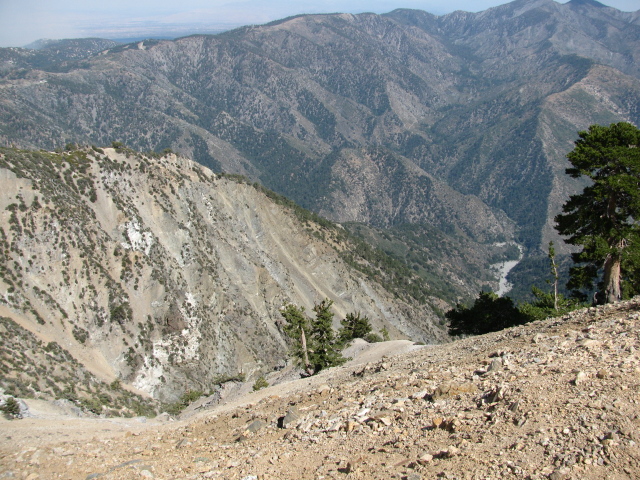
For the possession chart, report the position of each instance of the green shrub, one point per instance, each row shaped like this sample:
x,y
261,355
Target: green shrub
x,y
220,379
260,383
373,338
354,326
190,396
11,408
544,305
489,313
385,334
185,400
93,405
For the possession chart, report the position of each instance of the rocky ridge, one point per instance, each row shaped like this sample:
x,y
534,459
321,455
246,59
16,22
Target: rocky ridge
x,y
554,399
157,272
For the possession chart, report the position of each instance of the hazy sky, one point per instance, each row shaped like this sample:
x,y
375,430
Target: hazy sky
x,y
23,21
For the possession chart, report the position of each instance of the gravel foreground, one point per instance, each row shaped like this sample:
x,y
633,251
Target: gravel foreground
x,y
555,399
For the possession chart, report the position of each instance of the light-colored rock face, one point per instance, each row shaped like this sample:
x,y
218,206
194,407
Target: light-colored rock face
x,y
161,273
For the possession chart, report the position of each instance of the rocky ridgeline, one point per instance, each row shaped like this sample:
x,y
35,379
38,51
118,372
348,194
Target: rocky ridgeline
x,y
555,399
159,273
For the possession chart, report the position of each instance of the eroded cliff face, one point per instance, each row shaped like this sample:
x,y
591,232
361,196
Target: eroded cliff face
x,y
159,272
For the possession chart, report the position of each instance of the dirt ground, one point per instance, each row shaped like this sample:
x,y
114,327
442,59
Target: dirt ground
x,y
555,399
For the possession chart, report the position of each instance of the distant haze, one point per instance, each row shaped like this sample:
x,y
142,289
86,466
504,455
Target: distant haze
x,y
24,21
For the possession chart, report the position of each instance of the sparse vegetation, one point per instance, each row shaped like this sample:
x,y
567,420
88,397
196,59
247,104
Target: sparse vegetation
x,y
354,325
260,383
50,372
186,399
11,408
489,313
222,379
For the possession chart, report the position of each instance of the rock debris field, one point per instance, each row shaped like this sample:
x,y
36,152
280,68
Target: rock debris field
x,y
555,399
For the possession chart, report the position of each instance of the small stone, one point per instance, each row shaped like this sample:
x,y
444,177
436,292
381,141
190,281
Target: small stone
x,y
419,395
363,412
291,417
384,420
451,451
62,452
559,474
163,417
602,374
323,390
412,476
35,458
580,377
452,389
538,338
183,443
447,475
452,425
496,364
256,425
352,465
426,458
496,394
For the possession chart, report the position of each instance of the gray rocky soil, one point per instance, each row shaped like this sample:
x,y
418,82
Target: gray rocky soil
x,y
555,399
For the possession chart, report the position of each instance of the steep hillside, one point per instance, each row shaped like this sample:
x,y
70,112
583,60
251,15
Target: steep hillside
x,y
158,272
556,399
459,122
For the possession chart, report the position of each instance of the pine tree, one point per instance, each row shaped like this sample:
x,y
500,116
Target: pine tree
x,y
326,352
354,326
603,219
297,328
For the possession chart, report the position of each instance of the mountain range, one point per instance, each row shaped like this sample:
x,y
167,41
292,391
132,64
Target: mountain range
x,y
458,123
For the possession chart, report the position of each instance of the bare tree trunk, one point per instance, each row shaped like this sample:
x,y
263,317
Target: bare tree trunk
x,y
612,290
612,267
554,271
303,341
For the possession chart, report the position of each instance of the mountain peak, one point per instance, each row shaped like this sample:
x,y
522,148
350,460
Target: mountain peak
x,y
586,3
